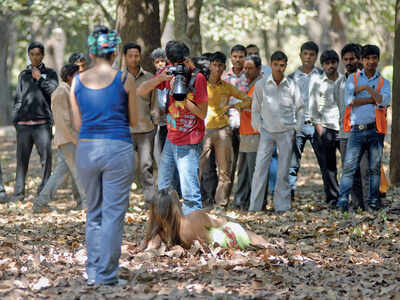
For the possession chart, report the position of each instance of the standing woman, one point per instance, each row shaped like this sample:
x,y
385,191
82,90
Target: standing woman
x,y
103,102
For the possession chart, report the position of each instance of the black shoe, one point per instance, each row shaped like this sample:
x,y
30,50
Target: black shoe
x,y
18,197
3,197
292,195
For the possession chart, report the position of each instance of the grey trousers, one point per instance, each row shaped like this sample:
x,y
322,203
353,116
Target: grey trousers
x,y
65,167
284,143
144,145
246,167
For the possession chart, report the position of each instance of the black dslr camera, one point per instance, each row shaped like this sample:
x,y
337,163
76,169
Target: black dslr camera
x,y
180,85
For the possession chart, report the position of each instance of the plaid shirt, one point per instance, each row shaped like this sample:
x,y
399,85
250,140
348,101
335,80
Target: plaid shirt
x,y
239,81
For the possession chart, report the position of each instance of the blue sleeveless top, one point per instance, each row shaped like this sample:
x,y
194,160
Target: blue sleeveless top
x,y
104,112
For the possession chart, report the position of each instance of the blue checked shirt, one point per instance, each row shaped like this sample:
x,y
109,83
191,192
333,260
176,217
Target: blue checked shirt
x,y
365,114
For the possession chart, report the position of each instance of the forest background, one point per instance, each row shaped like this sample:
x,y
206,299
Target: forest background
x,y
206,26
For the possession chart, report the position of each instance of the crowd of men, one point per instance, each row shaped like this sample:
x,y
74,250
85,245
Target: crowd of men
x,y
251,121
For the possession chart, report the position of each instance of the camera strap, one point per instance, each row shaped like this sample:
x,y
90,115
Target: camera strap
x,y
193,79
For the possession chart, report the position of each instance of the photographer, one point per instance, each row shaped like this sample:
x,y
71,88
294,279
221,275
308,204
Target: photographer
x,y
185,121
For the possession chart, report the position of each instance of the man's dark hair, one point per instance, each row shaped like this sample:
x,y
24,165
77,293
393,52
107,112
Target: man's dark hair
x,y
279,55
328,55
77,57
177,51
131,45
354,48
239,48
208,55
202,63
370,50
68,70
255,59
158,53
311,46
34,45
251,46
219,57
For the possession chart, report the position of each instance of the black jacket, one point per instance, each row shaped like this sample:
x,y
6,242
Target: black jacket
x,y
33,99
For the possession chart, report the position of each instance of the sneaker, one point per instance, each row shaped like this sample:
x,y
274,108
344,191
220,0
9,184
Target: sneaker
x,y
375,205
39,206
91,282
120,282
342,205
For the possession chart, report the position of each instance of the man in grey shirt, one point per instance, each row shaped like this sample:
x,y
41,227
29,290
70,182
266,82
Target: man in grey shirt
x,y
325,117
277,113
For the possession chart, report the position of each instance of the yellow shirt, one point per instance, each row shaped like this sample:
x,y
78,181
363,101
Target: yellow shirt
x,y
218,103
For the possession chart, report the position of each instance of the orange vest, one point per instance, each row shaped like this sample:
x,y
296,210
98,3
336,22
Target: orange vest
x,y
380,112
245,118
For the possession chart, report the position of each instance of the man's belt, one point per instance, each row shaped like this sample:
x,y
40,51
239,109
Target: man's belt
x,y
364,126
31,122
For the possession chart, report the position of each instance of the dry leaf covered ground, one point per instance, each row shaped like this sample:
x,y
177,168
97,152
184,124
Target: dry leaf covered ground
x,y
315,253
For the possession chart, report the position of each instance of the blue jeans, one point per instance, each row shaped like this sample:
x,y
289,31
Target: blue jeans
x,y
185,159
273,171
105,168
306,133
359,142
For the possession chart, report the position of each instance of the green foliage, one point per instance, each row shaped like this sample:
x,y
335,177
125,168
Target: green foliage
x,y
233,20
380,12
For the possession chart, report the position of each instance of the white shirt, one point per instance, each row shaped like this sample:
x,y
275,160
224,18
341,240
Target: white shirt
x,y
303,81
323,107
277,108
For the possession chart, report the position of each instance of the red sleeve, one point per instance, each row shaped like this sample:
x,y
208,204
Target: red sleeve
x,y
200,86
163,85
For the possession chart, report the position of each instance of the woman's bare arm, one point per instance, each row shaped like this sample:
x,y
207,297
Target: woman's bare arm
x,y
130,87
76,113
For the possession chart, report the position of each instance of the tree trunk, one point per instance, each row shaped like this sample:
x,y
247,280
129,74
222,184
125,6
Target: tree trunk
x,y
324,17
139,21
267,48
5,95
164,13
187,24
395,143
338,31
55,49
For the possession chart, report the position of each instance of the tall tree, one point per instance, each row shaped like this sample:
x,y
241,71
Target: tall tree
x,y
5,94
139,21
187,23
395,144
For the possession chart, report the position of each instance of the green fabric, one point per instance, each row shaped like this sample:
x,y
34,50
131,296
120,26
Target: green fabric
x,y
230,235
103,43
